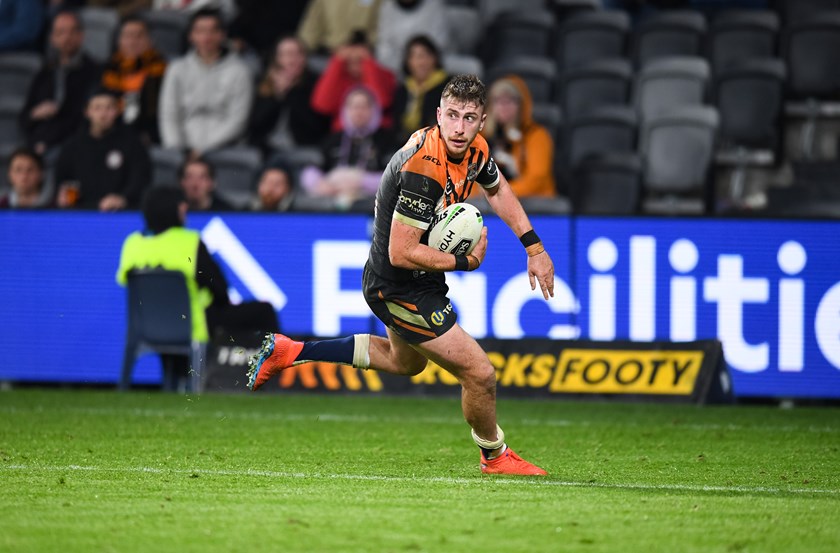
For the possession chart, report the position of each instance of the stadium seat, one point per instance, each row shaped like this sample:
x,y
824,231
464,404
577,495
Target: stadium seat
x,y
17,69
589,36
669,33
608,184
539,73
9,130
794,11
461,64
598,83
667,83
168,30
518,33
464,30
100,28
741,35
810,48
749,97
489,9
159,321
237,169
5,155
549,116
677,149
605,129
166,162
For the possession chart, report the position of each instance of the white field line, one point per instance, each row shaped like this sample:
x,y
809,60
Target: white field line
x,y
535,482
419,419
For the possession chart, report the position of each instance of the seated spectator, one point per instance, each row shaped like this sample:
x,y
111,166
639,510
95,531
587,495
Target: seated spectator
x,y
20,24
135,72
355,157
329,24
56,100
282,117
206,95
418,96
105,166
198,182
275,191
167,244
399,20
26,175
522,148
351,66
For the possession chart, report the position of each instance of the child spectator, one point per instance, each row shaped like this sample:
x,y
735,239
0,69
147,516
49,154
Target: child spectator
x,y
105,166
354,157
26,175
135,72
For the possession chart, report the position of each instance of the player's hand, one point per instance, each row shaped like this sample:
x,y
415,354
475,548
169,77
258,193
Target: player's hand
x,y
480,249
541,269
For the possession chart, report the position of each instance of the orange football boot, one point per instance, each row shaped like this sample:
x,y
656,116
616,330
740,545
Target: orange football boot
x,y
276,353
510,463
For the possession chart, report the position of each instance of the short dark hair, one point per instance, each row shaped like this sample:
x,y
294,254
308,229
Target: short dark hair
x,y
208,12
72,13
134,18
465,88
27,152
425,42
200,161
160,208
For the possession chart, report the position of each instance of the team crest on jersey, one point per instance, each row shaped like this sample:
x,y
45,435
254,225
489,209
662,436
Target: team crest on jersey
x,y
472,171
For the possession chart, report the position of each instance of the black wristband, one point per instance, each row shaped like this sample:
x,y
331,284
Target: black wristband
x,y
462,263
529,238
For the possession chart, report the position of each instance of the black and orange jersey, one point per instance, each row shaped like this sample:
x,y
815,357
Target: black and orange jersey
x,y
422,180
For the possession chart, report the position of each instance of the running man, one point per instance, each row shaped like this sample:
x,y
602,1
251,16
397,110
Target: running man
x,y
404,282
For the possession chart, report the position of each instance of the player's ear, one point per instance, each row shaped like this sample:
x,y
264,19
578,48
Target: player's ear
x,y
483,120
437,112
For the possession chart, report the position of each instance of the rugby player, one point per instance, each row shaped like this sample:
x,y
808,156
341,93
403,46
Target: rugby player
x,y
404,282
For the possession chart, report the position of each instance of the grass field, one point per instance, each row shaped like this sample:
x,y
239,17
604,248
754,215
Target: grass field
x,y
100,471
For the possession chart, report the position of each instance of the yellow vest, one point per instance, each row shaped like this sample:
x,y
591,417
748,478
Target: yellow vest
x,y
175,249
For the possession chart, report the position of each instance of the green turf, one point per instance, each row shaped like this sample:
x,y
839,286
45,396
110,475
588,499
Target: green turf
x,y
100,471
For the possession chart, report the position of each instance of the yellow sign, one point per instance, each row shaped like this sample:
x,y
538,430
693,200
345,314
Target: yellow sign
x,y
589,371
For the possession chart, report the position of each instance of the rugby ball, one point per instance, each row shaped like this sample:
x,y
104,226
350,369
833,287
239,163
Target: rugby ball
x,y
456,229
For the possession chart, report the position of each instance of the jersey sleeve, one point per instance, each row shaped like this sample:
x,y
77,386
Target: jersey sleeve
x,y
488,177
416,202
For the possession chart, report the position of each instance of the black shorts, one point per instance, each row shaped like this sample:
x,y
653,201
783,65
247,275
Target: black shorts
x,y
417,310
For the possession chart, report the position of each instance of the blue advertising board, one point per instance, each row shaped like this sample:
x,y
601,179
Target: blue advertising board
x,y
769,290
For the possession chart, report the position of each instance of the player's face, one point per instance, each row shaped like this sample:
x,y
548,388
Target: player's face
x,y
459,124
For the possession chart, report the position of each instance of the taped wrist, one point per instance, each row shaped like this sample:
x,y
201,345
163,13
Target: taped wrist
x,y
490,444
361,351
529,239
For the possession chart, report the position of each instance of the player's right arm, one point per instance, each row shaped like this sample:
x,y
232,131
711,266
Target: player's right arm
x,y
418,193
406,252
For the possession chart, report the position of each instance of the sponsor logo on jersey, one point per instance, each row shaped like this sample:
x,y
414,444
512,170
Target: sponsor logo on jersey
x,y
431,159
439,317
416,205
472,171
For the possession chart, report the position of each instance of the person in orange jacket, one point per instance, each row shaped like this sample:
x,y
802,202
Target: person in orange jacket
x,y
522,148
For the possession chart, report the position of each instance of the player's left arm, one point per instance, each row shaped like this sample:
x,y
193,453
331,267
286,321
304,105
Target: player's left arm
x,y
506,205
